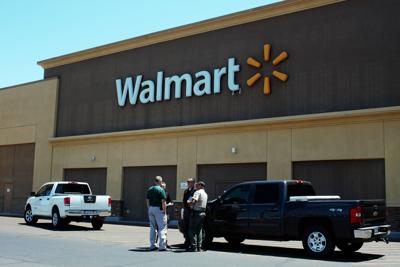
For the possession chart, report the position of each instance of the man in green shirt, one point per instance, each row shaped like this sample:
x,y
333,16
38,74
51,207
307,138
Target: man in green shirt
x,y
157,214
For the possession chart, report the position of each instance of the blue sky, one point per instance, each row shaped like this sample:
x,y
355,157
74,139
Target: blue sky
x,y
36,30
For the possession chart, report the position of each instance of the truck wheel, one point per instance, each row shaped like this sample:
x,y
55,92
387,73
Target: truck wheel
x,y
56,220
234,241
318,241
97,223
29,217
349,247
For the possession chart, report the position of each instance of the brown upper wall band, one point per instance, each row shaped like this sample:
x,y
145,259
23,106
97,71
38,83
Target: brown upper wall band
x,y
264,12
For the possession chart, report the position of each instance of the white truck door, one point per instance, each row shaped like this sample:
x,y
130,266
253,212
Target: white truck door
x,y
37,201
45,202
35,205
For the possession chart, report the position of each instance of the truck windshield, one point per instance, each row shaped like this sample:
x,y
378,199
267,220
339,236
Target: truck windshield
x,y
294,190
72,189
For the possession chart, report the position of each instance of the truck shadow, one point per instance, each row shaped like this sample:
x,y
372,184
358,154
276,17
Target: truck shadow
x,y
298,253
69,227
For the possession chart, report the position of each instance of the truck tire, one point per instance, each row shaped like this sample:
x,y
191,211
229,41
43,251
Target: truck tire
x,y
97,223
318,241
234,241
56,220
349,247
28,217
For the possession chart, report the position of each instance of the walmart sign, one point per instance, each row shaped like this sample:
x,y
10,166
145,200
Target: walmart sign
x,y
134,89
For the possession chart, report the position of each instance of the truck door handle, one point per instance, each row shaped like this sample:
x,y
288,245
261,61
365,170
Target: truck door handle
x,y
40,199
238,208
48,198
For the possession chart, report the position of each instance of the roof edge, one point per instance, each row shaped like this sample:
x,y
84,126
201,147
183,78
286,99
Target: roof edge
x,y
255,14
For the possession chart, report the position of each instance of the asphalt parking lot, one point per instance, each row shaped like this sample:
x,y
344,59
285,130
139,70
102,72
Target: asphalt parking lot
x,y
123,245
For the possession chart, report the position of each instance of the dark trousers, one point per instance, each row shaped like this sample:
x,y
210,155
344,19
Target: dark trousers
x,y
195,229
186,219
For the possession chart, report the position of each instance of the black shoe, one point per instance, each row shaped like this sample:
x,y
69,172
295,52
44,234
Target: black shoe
x,y
153,249
190,250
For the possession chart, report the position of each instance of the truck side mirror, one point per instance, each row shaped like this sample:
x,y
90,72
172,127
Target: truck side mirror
x,y
33,194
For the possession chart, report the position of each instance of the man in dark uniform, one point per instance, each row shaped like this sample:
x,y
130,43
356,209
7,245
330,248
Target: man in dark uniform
x,y
187,195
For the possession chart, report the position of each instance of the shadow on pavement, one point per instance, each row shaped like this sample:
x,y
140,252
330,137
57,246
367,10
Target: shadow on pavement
x,y
140,249
69,227
337,256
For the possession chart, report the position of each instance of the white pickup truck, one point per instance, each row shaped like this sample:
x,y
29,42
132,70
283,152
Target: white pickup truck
x,y
63,202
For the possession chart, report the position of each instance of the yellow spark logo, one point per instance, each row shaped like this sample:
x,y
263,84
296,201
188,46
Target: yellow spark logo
x,y
277,74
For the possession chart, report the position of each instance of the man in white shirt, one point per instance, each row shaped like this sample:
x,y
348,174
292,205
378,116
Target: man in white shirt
x,y
198,204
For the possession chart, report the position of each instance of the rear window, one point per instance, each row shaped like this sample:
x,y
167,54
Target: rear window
x,y
72,189
266,194
294,190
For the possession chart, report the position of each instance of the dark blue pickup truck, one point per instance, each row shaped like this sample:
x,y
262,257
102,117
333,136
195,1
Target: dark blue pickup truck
x,y
290,210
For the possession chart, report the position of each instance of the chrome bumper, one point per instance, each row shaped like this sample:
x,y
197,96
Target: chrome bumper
x,y
372,232
76,213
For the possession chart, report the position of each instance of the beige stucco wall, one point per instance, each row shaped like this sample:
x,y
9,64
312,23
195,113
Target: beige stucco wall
x,y
187,161
27,115
347,141
214,149
392,162
279,154
278,145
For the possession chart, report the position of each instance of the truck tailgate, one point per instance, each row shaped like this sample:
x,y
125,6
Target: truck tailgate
x,y
373,211
89,202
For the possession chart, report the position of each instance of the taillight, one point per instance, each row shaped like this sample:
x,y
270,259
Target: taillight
x,y
109,201
67,201
356,215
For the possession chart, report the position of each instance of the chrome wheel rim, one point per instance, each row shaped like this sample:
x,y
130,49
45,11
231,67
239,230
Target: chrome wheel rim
x,y
28,216
316,242
55,218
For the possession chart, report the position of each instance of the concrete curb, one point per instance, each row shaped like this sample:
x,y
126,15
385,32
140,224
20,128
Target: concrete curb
x,y
15,215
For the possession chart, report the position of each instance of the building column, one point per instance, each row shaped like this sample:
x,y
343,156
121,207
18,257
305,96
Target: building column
x,y
279,163
392,171
115,176
187,160
57,164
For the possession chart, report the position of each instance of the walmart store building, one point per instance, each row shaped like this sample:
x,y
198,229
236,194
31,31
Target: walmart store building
x,y
295,90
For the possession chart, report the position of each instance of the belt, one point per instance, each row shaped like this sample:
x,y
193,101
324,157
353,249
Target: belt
x,y
199,210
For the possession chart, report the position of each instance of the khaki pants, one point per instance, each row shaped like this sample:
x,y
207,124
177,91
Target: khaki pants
x,y
158,222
